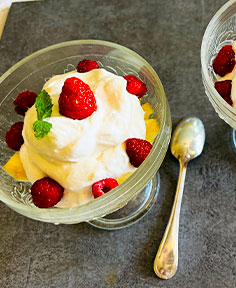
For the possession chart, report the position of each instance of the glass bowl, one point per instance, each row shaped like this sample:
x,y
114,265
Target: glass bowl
x,y
31,73
220,31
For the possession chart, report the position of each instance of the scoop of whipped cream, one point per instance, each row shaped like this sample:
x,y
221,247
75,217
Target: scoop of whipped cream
x,y
77,153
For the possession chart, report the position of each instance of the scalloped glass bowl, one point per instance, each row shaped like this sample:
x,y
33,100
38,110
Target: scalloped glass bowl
x,y
220,31
31,73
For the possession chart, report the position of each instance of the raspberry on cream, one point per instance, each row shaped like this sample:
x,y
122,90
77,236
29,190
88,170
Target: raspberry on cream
x,y
77,153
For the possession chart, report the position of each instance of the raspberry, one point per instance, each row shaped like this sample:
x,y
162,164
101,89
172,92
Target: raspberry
x,y
224,88
86,65
228,100
46,192
24,101
135,86
224,61
76,99
137,150
103,186
13,137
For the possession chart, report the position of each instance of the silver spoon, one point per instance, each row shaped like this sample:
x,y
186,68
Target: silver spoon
x,y
186,144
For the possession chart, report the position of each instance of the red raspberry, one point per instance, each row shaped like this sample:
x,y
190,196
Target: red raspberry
x,y
76,100
228,100
137,150
224,61
46,192
24,101
224,88
13,137
103,186
135,86
86,65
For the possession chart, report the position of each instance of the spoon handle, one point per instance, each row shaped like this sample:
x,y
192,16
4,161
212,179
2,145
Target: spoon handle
x,y
166,261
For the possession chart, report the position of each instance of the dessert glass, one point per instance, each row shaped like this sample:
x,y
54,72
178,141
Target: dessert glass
x,y
141,187
220,31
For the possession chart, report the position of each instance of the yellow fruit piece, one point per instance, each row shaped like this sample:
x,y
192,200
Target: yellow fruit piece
x,y
147,108
152,129
123,177
15,168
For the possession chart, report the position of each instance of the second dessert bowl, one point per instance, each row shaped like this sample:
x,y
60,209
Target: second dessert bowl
x,y
219,37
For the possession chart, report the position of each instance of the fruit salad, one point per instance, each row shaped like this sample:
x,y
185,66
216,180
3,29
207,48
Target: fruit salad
x,y
224,68
82,135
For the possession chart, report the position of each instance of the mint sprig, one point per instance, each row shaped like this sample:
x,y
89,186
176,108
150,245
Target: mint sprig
x,y
41,128
43,104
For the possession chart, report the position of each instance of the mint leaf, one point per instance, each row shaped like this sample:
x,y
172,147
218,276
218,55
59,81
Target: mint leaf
x,y
43,104
41,128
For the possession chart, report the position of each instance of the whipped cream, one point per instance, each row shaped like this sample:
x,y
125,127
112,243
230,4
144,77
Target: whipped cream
x,y
77,153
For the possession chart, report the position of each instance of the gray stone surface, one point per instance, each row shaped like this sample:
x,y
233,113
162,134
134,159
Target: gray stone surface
x,y
167,33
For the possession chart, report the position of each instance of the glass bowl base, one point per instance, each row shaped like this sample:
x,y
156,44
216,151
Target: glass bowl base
x,y
133,211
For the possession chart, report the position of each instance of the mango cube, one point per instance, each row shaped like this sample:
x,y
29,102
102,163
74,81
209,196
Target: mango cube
x,y
15,168
152,129
147,108
123,177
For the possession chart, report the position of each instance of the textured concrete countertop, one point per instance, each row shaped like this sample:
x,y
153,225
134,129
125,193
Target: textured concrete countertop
x,y
4,9
168,35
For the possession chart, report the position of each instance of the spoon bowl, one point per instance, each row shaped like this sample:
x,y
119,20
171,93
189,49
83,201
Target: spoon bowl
x,y
188,139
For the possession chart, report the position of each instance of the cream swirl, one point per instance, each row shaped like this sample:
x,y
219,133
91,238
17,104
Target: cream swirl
x,y
76,153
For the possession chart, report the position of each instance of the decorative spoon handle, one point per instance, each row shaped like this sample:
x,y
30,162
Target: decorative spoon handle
x,y
166,261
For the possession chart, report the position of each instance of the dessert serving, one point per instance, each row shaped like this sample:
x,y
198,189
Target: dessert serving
x,y
82,135
81,153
